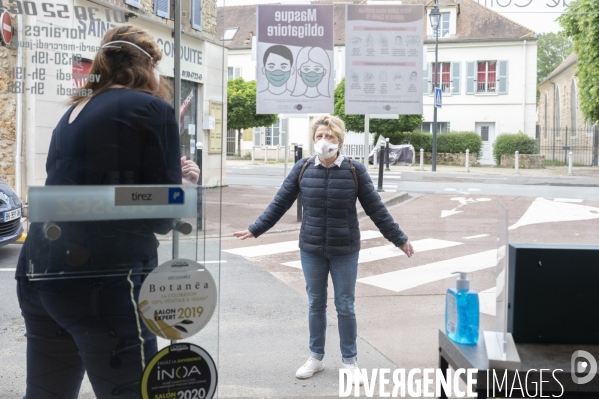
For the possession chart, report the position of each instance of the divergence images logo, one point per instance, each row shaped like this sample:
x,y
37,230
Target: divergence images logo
x,y
579,366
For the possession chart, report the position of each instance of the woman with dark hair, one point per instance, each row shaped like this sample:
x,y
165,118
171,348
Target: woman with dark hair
x,y
125,133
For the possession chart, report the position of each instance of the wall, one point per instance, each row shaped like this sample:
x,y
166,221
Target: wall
x,y
8,107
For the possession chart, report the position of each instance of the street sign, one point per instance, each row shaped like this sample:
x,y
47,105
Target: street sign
x,y
6,25
438,97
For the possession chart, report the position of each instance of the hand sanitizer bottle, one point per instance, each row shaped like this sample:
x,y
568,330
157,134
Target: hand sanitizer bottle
x,y
462,312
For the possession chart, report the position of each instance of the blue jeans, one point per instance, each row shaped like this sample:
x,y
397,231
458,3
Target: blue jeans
x,y
84,325
344,271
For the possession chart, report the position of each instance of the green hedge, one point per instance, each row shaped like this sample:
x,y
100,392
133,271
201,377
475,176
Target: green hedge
x,y
453,142
509,143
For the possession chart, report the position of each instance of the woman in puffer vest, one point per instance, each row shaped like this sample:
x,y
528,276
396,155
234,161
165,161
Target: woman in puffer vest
x,y
330,235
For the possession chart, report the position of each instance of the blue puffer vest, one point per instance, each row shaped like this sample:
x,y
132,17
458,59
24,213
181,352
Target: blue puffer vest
x,y
330,221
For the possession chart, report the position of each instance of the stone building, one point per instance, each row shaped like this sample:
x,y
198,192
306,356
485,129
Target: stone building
x,y
54,42
8,120
561,125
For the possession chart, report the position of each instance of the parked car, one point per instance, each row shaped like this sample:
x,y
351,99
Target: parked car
x,y
11,209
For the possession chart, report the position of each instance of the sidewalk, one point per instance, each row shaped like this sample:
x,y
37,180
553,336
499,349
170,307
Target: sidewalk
x,y
547,172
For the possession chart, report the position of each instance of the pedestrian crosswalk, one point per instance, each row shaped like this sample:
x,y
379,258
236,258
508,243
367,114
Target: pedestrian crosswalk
x,y
398,280
390,251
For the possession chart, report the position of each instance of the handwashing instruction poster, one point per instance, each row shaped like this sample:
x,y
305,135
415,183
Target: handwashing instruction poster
x,y
294,59
383,59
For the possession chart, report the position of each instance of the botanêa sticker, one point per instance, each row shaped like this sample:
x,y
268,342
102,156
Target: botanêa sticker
x,y
177,299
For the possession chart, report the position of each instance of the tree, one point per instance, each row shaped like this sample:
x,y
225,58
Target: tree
x,y
552,49
386,127
241,107
580,23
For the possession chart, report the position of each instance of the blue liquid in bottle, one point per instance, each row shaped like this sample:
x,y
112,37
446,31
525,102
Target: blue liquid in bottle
x,y
462,317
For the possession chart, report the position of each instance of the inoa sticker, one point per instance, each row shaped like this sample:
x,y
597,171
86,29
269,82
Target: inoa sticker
x,y
177,299
148,196
180,371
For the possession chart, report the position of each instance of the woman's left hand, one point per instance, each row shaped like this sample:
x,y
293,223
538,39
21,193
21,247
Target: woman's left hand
x,y
191,171
407,249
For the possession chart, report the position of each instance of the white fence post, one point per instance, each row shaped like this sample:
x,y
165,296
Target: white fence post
x,y
278,149
265,154
517,162
467,160
253,155
422,159
570,164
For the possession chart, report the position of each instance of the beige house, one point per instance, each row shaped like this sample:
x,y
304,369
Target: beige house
x,y
561,126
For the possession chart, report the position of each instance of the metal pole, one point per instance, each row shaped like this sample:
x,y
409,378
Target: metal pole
x,y
265,154
253,155
422,159
570,164
387,155
566,147
467,160
381,166
434,168
517,162
177,55
366,141
375,157
278,150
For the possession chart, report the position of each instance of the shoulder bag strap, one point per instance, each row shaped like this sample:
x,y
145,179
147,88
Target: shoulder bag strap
x,y
302,171
353,171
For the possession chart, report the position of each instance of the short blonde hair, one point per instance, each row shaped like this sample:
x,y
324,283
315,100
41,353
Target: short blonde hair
x,y
332,122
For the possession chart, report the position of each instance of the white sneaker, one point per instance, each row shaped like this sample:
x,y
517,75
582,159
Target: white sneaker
x,y
309,368
354,373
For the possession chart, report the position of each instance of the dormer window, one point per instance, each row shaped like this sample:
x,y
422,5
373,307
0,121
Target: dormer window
x,y
443,30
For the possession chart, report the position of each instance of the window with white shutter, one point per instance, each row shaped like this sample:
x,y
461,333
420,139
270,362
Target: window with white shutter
x,y
426,81
196,14
162,8
502,81
134,3
456,77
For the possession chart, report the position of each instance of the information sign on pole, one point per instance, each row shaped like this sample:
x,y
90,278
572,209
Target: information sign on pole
x,y
383,59
438,97
294,63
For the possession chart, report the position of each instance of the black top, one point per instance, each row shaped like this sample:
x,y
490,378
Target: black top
x,y
330,220
121,136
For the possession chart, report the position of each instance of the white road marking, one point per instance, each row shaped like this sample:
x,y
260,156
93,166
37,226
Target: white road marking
x,y
476,236
487,301
450,189
474,189
567,200
390,251
405,279
7,270
392,177
463,201
546,211
286,246
445,214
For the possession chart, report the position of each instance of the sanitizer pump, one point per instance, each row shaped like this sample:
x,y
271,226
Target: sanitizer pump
x,y
462,312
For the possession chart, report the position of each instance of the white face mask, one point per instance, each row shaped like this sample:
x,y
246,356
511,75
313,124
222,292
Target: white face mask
x,y
157,75
325,149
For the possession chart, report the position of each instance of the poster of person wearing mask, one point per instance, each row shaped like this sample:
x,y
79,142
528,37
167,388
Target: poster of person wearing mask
x,y
294,59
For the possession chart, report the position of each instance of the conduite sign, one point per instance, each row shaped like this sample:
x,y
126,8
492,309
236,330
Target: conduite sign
x,y
438,97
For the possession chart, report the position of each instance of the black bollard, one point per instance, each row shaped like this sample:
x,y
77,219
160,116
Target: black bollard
x,y
298,156
387,155
381,166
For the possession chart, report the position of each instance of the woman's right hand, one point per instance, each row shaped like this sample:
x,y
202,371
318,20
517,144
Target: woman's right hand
x,y
243,234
